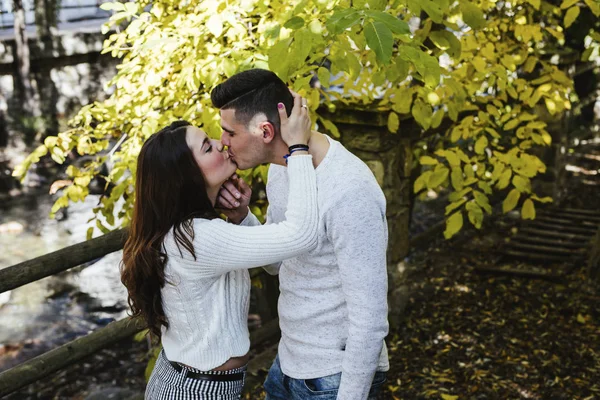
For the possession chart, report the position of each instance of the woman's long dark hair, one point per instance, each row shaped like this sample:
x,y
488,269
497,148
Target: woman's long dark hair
x,y
169,192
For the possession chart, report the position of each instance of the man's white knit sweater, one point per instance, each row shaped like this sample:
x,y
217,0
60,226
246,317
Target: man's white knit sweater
x,y
206,299
333,301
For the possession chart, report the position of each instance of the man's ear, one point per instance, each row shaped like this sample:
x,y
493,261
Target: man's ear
x,y
267,131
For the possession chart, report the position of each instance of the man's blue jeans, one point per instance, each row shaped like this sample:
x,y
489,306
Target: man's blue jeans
x,y
282,387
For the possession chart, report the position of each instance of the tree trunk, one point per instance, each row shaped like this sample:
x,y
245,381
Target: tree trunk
x,y
46,16
46,19
3,126
594,260
23,79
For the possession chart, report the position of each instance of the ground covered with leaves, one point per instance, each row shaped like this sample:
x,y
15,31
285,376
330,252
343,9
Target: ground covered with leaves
x,y
480,336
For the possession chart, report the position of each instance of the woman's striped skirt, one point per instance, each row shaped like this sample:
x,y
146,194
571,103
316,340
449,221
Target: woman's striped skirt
x,y
167,383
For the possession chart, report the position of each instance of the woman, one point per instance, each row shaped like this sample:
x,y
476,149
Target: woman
x,y
186,269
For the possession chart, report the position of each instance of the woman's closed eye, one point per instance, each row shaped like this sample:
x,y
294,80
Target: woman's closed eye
x,y
208,148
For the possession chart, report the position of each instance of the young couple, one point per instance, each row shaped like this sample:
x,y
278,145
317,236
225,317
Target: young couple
x,y
186,270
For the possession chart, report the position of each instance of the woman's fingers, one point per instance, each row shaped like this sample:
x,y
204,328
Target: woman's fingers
x,y
297,103
282,113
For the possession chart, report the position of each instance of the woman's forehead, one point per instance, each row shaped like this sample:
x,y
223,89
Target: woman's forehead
x,y
195,134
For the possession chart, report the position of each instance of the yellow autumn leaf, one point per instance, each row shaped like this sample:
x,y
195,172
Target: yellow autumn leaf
x,y
571,15
567,3
448,396
393,122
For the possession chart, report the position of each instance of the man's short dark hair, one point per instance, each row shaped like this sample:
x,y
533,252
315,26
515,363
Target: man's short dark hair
x,y
251,92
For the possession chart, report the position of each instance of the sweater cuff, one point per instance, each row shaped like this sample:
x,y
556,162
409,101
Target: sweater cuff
x,y
355,386
250,220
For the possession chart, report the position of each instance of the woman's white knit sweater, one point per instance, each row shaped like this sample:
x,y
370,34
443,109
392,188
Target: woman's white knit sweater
x,y
206,299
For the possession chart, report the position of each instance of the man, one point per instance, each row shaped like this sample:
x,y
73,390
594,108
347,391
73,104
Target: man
x,y
333,300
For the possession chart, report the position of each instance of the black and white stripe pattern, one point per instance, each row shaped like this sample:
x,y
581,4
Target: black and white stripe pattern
x,y
166,383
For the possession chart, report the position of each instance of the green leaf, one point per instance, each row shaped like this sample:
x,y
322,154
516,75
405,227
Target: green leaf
x,y
522,184
215,25
457,195
279,60
504,179
141,335
510,202
571,15
426,160
453,206
481,144
528,210
433,9
437,118
453,224
393,122
294,23
472,15
394,24
89,233
324,76
342,20
116,6
429,68
456,177
421,181
485,187
542,199
568,3
300,48
151,362
380,40
482,201
330,127
512,124
446,40
439,175
475,214
422,112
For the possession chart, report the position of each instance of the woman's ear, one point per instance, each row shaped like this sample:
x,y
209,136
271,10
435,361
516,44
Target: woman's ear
x,y
268,131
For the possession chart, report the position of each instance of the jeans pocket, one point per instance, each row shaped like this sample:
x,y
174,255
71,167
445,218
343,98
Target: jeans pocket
x,y
379,378
324,385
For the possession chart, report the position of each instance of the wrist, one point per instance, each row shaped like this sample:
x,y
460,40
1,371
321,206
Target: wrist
x,y
296,149
238,217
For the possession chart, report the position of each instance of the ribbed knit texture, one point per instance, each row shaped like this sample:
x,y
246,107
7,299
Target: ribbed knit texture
x,y
207,300
333,301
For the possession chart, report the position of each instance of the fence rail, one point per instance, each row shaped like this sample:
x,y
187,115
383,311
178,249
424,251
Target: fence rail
x,y
62,260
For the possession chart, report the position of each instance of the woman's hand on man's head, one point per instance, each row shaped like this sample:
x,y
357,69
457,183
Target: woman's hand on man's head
x,y
234,198
296,128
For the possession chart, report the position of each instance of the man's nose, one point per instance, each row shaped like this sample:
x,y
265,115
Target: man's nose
x,y
224,139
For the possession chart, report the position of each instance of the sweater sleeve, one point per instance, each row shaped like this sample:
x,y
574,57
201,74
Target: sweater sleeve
x,y
221,247
251,220
358,230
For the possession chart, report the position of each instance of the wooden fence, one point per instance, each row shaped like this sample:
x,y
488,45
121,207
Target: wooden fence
x,y
61,357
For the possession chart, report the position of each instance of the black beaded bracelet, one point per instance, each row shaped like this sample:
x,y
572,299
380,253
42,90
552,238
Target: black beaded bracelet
x,y
293,148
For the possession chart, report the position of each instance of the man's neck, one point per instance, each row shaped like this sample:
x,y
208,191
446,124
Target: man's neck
x,y
318,145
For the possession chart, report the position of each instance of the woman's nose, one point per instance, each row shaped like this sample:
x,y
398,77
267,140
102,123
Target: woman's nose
x,y
219,146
